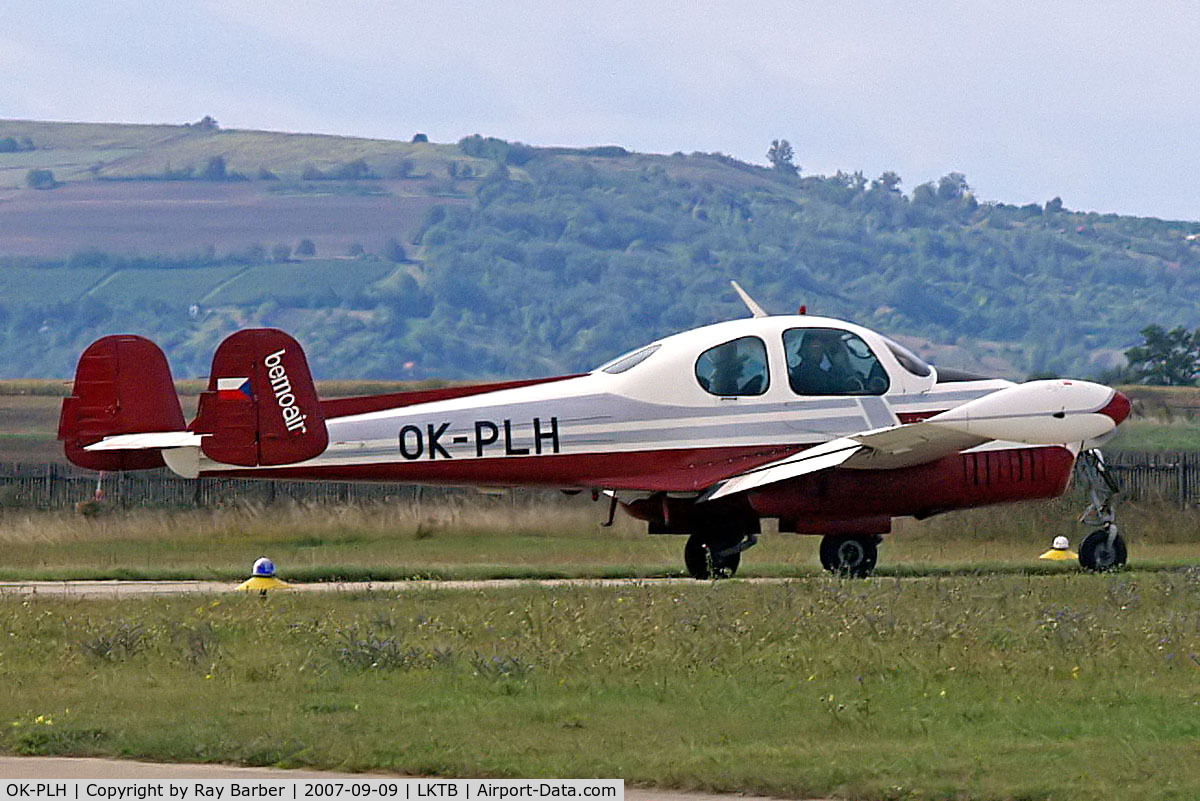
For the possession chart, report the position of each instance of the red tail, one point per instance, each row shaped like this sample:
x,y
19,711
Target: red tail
x,y
123,385
261,406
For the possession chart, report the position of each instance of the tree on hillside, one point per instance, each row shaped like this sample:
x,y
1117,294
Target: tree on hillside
x,y
1166,358
780,154
952,186
206,123
394,251
887,182
306,247
40,179
214,170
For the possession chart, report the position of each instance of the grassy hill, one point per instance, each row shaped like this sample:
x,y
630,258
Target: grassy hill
x,y
84,151
490,258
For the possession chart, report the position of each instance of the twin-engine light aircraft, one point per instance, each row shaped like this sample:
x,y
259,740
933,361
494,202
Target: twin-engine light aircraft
x,y
827,426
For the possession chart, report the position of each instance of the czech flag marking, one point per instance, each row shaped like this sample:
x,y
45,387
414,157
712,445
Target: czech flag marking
x,y
234,389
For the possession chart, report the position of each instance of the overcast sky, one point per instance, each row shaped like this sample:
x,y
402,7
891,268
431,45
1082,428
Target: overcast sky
x,y
1098,102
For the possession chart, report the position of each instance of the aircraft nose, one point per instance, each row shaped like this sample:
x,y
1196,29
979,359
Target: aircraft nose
x,y
1117,408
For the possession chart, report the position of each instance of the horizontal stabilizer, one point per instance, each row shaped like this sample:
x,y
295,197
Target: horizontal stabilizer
x,y
156,440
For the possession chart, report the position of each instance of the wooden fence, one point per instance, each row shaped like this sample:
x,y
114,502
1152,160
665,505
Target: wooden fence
x,y
1172,477
56,486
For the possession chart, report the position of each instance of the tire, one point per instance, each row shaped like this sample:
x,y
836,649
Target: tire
x,y
1096,555
854,557
700,555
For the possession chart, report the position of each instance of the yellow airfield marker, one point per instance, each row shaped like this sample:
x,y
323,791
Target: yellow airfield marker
x,y
1060,551
262,578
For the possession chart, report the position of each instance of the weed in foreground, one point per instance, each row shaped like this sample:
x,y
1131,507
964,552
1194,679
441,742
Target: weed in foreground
x,y
369,652
120,642
50,742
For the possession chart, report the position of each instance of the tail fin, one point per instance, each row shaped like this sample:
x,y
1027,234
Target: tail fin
x,y
123,385
261,406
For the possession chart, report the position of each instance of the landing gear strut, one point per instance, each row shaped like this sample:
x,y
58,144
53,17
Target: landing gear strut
x,y
715,551
850,556
1103,549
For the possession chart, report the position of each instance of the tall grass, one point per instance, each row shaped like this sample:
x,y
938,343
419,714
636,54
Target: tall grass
x,y
473,536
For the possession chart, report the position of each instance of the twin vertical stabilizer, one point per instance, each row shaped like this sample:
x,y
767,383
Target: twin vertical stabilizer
x,y
260,408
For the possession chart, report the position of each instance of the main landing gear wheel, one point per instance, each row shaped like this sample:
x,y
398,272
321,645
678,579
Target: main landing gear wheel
x,y
714,555
1103,550
849,556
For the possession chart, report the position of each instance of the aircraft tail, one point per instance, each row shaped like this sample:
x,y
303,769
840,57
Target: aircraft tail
x,y
123,385
261,406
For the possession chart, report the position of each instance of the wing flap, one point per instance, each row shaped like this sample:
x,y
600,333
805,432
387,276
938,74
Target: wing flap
x,y
879,449
820,457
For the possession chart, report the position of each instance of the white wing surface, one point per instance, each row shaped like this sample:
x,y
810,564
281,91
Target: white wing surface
x,y
1036,413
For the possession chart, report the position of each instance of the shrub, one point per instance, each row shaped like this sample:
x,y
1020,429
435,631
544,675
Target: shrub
x,y
40,179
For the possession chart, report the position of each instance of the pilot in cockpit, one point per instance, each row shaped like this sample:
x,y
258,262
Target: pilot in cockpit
x,y
811,370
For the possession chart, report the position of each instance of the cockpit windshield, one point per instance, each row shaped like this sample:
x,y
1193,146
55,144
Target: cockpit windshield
x,y
908,360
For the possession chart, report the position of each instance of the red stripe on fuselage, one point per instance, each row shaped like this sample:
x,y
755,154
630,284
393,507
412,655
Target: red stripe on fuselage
x,y
682,470
916,417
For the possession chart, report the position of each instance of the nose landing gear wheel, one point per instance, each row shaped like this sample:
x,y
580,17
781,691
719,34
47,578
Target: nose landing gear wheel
x,y
849,556
1102,550
707,555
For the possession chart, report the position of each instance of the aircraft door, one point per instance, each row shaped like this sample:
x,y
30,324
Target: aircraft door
x,y
828,361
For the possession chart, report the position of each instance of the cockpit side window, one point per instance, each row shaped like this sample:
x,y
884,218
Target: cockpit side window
x,y
828,361
737,367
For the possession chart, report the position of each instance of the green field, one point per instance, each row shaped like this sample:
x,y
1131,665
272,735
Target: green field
x,y
1156,436
218,285
288,283
123,286
999,687
40,286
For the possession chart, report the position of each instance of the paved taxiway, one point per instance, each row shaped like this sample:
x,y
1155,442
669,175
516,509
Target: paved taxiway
x,y
58,768
132,589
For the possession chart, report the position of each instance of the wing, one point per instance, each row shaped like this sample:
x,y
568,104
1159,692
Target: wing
x,y
1035,413
879,449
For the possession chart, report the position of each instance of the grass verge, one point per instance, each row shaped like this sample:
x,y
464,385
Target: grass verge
x,y
1067,687
476,537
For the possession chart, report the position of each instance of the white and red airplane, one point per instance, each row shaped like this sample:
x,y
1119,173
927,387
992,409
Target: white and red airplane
x,y
827,426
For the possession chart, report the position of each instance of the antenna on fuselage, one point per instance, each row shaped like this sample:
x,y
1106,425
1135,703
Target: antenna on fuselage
x,y
754,308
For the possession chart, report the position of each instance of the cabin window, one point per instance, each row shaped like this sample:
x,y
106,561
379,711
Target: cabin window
x,y
737,367
828,361
631,360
